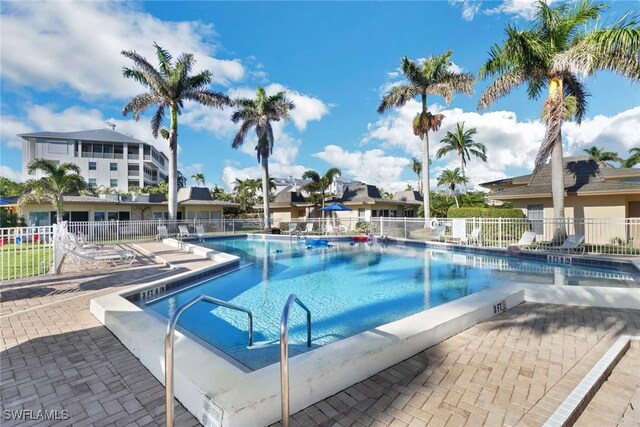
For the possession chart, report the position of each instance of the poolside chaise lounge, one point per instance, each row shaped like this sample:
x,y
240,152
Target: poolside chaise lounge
x,y
200,232
292,227
162,232
573,243
78,255
183,231
527,239
438,232
308,229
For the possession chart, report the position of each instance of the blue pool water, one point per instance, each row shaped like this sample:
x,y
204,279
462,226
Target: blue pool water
x,y
349,289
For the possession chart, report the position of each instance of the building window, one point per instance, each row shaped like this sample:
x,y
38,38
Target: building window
x,y
39,219
113,183
93,181
535,215
92,166
113,166
160,215
361,215
99,216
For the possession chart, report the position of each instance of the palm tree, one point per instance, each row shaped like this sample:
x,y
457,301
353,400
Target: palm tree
x,y
259,113
461,142
320,184
560,47
452,178
433,76
633,159
169,86
416,167
60,179
246,192
198,178
598,155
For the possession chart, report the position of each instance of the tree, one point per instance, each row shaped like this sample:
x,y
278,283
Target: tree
x,y
633,159
599,155
218,193
320,184
9,187
198,178
452,178
416,167
246,193
169,86
259,113
559,48
461,142
433,76
59,179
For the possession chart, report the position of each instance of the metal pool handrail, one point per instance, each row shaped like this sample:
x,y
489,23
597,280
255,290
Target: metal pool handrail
x,y
284,353
168,345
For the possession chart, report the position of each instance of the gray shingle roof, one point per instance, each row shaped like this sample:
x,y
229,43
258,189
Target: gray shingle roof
x,y
582,175
409,196
199,196
106,135
361,193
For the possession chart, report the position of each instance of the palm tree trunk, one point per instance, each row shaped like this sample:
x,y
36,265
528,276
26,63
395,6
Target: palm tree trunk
x,y
557,171
453,191
265,189
425,177
173,165
59,209
464,180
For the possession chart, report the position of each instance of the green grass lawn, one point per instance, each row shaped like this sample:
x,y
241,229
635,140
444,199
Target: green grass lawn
x,y
24,260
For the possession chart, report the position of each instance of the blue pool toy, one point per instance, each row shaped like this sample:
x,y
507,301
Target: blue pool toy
x,y
317,242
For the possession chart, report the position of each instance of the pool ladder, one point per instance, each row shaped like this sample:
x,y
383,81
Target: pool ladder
x,y
169,339
284,348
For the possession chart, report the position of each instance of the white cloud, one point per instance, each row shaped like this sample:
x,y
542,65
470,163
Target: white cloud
x,y
469,8
78,44
10,127
213,120
618,133
523,8
7,172
372,166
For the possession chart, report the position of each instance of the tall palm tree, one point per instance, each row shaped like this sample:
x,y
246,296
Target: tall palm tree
x,y
198,178
599,155
416,167
320,184
560,46
461,142
259,113
452,178
169,86
58,180
633,159
433,76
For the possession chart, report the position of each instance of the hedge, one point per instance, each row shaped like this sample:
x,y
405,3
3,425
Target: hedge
x,y
484,213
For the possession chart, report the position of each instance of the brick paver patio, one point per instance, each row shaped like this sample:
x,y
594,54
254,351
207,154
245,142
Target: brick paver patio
x,y
514,369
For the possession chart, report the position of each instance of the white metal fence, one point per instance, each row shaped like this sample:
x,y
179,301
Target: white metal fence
x,y
25,252
29,251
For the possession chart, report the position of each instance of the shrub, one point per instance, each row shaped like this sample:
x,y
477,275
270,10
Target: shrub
x,y
484,213
365,227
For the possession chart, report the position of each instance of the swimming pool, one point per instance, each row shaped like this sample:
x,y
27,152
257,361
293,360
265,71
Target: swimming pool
x,y
348,288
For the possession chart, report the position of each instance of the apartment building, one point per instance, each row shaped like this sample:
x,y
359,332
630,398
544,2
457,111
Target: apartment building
x,y
106,157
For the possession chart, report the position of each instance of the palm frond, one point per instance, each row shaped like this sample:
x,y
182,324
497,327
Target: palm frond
x,y
199,81
312,175
156,120
207,97
183,67
151,76
502,86
139,104
397,97
164,59
245,127
412,72
575,88
554,112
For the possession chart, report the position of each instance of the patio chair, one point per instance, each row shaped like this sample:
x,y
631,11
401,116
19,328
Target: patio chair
x,y
328,228
474,237
527,239
308,228
162,232
96,257
438,232
200,232
293,226
80,242
183,231
573,243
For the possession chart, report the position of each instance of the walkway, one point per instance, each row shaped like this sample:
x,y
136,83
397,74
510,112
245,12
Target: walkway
x,y
514,369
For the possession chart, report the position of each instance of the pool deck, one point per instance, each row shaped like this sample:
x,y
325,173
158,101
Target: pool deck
x,y
514,369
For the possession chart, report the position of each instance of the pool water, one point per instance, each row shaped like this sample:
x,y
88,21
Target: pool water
x,y
348,288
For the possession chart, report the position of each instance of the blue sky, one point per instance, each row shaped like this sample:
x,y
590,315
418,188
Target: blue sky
x,y
61,71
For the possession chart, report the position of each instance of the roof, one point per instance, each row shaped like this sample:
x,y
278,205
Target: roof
x,y
199,196
86,199
8,200
287,198
408,196
361,193
107,135
582,175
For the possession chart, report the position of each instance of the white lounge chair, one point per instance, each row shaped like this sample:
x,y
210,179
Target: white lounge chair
x,y
474,237
162,232
96,257
293,226
80,242
527,239
438,232
309,228
200,232
573,243
183,231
